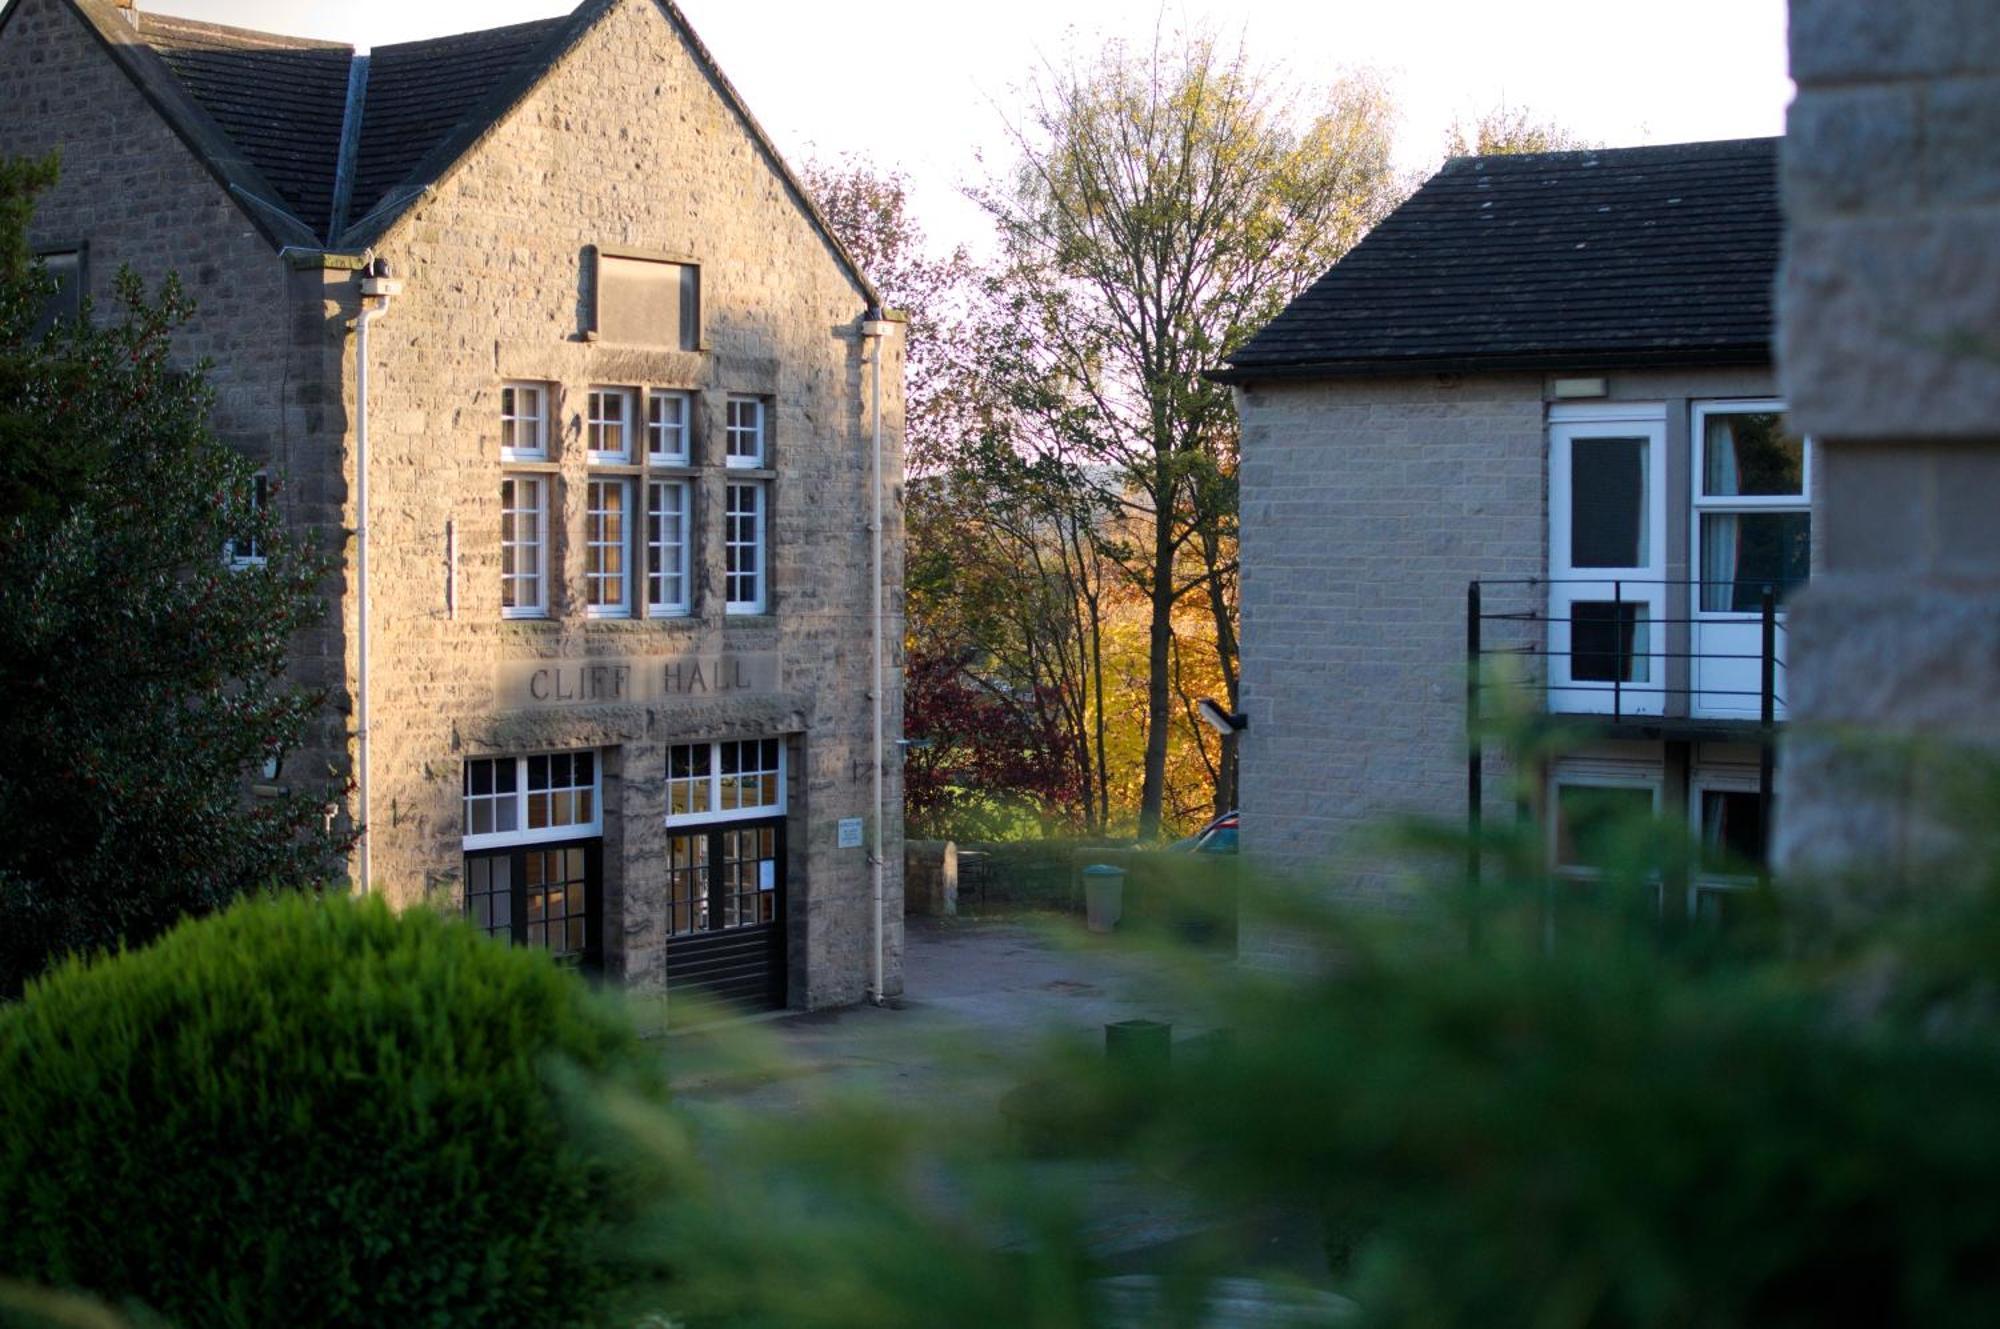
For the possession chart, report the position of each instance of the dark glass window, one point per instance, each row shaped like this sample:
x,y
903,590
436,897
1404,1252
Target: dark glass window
x,y
1743,552
1608,642
65,303
1732,830
1608,503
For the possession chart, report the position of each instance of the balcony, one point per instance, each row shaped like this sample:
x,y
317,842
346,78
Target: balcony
x,y
1652,659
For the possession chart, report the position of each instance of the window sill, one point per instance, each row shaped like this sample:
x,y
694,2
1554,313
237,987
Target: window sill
x,y
737,471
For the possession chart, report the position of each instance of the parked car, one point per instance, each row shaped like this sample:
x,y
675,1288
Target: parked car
x,y
1218,837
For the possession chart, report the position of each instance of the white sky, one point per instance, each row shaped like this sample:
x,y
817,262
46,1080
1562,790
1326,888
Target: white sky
x,y
924,85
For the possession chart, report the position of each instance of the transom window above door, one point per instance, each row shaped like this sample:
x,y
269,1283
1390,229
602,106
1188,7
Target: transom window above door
x,y
550,795
723,781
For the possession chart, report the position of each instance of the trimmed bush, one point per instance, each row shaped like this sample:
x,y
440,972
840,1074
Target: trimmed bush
x,y
315,1112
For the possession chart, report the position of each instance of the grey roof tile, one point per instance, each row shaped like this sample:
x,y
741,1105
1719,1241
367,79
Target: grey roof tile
x,y
280,99
1612,257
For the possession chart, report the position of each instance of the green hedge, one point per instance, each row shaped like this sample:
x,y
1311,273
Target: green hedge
x,y
314,1112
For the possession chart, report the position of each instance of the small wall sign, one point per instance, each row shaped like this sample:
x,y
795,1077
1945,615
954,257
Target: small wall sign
x,y
631,680
850,832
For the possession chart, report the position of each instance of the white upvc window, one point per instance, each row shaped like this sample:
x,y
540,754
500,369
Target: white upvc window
x,y
744,432
245,550
524,422
669,427
1607,558
1753,521
610,420
746,547
608,548
1593,806
669,507
731,780
524,546
520,800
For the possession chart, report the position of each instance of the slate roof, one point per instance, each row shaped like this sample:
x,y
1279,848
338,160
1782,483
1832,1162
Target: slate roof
x,y
1610,258
281,99
326,148
419,92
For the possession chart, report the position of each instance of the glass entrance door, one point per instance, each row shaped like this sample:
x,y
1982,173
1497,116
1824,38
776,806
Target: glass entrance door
x,y
726,912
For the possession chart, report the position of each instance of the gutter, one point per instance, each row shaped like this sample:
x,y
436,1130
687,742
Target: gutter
x,y
1579,361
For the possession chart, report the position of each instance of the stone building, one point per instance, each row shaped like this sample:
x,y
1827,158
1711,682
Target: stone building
x,y
1889,344
604,661
1547,381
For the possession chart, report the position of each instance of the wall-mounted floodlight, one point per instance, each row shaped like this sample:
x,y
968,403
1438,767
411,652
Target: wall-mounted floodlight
x,y
1221,721
913,744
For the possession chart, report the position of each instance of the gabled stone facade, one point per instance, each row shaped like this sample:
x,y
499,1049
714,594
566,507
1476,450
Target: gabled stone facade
x,y
629,141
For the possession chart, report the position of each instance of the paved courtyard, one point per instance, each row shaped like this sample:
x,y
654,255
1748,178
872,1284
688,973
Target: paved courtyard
x,y
979,995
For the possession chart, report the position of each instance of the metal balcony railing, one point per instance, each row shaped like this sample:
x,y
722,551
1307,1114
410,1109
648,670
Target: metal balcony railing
x,y
1630,651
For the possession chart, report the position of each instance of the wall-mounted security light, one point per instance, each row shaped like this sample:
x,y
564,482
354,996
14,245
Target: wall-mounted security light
x,y
1221,721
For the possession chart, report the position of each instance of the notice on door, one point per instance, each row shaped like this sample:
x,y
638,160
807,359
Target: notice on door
x,y
520,685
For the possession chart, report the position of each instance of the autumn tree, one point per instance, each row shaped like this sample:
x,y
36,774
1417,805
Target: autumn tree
x,y
1166,202
144,673
996,611
1509,130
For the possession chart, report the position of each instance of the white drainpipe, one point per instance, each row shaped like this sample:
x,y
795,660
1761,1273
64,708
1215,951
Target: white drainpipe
x,y
376,285
873,328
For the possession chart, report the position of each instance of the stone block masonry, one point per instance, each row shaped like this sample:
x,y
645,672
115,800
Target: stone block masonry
x,y
627,142
1887,312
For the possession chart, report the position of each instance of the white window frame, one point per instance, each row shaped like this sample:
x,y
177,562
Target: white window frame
x,y
1722,780
522,834
1643,584
1600,774
598,420
1726,504
1716,635
624,544
539,450
682,551
757,431
260,497
539,608
659,431
760,543
715,813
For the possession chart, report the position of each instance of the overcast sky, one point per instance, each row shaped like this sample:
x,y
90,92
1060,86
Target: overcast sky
x,y
923,85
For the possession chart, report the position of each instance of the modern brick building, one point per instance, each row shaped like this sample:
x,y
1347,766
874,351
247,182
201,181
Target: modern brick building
x,y
1547,377
605,658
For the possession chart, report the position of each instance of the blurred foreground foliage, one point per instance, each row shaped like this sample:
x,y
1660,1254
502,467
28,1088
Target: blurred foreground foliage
x,y
1531,1104
1536,1104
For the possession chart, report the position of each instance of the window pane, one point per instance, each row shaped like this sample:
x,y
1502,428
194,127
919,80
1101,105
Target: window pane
x,y
1608,502
1609,642
1743,552
1751,455
1732,829
1591,819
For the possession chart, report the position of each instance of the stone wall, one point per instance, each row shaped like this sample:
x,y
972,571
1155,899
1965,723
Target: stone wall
x,y
138,197
1888,309
628,144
